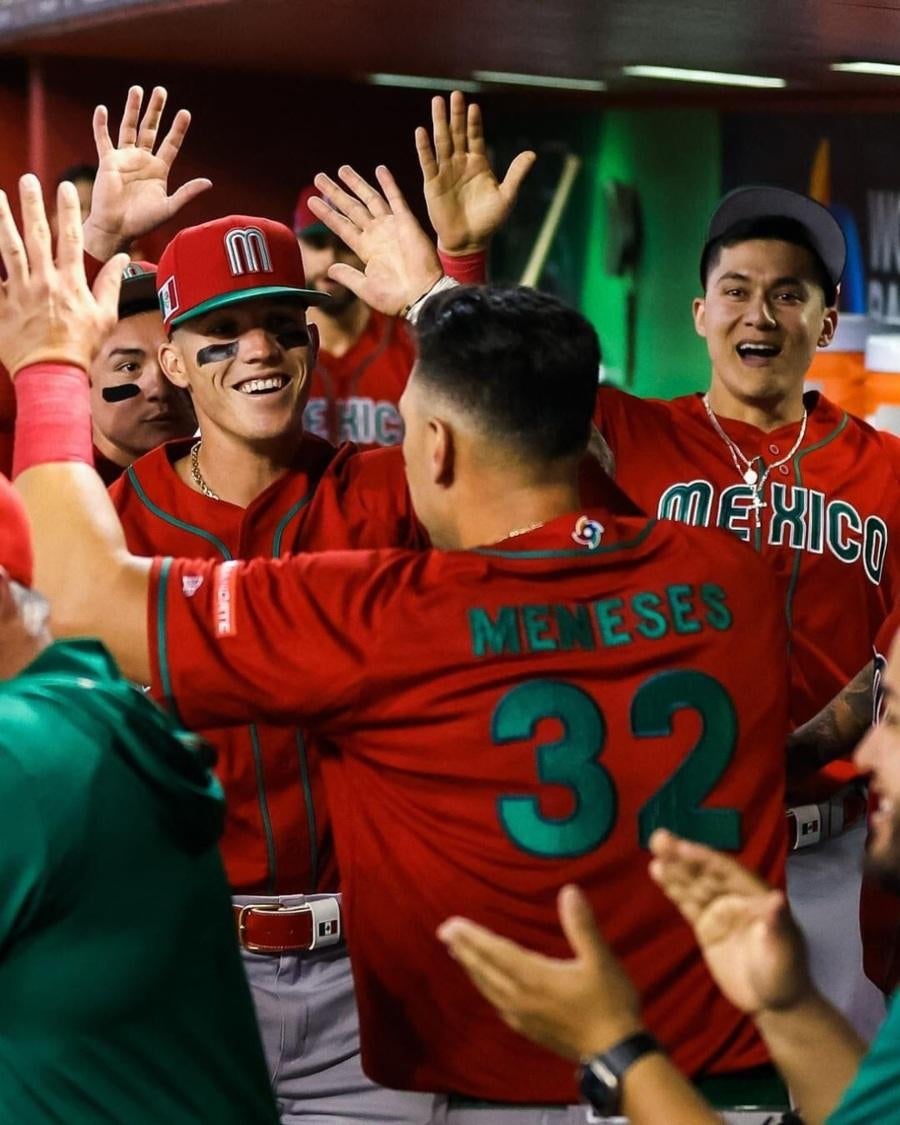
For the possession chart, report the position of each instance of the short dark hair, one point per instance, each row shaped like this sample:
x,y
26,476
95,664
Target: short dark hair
x,y
77,172
768,226
522,363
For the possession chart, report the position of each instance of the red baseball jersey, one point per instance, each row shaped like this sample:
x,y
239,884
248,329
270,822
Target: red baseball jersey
x,y
827,526
495,723
354,397
277,838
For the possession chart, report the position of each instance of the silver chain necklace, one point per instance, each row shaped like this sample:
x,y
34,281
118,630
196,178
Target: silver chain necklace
x,y
196,475
749,475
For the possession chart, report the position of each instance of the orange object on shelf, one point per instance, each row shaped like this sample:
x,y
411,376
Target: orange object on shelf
x,y
839,370
883,381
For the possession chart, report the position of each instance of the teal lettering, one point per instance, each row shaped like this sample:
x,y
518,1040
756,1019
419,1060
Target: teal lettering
x,y
816,541
718,615
874,548
653,624
388,423
734,504
574,625
843,518
687,502
609,618
495,636
681,608
788,510
536,619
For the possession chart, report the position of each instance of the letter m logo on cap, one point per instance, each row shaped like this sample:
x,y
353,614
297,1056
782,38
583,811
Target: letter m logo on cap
x,y
247,251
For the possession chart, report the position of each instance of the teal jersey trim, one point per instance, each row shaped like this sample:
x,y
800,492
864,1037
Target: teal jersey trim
x,y
264,809
311,825
567,552
173,520
162,639
288,516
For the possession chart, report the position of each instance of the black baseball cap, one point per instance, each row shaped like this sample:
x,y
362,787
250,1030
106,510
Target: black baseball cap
x,y
138,292
759,202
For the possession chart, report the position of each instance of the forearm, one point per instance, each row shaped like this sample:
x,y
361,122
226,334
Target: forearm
x,y
655,1090
817,1052
95,587
835,731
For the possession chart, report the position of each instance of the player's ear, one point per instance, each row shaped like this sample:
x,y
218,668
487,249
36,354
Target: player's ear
x,y
171,362
829,327
699,311
441,451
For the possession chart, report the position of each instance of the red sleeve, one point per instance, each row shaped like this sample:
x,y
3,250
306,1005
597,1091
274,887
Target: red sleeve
x,y
362,501
887,632
267,641
611,410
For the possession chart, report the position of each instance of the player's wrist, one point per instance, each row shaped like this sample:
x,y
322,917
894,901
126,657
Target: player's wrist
x,y
437,283
600,1035
467,267
101,243
53,416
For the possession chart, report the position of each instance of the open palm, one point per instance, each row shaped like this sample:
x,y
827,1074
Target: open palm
x,y
466,202
749,940
131,192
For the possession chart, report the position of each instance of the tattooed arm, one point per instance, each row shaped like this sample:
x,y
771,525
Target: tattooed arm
x,y
836,730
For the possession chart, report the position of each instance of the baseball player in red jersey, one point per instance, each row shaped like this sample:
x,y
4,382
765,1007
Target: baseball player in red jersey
x,y
811,488
235,304
567,685
821,484
245,489
364,358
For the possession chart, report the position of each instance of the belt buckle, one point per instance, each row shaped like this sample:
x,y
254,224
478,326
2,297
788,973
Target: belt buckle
x,y
271,908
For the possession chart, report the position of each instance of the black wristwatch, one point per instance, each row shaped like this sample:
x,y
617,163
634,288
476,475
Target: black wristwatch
x,y
601,1075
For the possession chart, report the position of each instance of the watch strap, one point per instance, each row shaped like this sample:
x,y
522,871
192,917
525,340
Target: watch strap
x,y
601,1074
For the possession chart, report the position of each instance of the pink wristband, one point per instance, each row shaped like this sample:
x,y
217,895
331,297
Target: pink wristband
x,y
53,416
467,269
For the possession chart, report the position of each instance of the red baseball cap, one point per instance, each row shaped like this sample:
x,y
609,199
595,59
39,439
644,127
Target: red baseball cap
x,y
15,535
238,258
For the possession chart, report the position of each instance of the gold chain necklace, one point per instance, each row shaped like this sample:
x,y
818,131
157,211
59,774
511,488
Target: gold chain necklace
x,y
196,475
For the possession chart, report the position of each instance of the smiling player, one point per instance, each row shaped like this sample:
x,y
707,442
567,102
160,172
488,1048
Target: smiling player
x,y
808,486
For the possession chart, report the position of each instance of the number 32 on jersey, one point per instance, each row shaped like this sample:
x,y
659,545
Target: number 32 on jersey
x,y
575,762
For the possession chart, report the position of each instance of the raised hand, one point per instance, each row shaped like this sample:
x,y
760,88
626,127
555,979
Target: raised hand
x,y
576,1007
399,261
47,312
131,192
466,203
745,931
